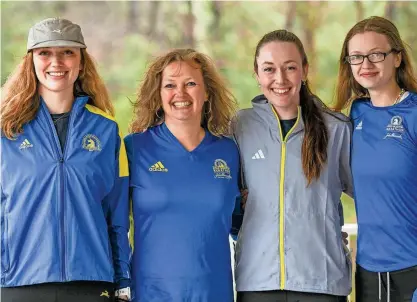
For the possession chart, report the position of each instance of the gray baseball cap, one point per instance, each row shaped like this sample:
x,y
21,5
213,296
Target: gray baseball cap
x,y
55,32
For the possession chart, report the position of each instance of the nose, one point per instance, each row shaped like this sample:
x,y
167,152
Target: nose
x,y
279,76
56,60
180,90
366,63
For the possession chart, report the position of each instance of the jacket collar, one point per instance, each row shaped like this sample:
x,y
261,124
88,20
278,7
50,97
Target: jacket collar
x,y
79,103
265,110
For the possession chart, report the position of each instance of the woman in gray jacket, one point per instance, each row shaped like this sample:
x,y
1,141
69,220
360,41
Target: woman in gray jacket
x,y
295,160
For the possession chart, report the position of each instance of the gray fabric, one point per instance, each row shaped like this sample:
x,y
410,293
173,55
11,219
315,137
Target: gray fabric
x,y
315,257
55,32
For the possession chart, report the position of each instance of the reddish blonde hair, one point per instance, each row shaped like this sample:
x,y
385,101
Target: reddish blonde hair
x,y
20,100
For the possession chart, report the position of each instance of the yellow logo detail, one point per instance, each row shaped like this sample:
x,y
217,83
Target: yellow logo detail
x,y
221,170
91,143
25,144
105,294
158,167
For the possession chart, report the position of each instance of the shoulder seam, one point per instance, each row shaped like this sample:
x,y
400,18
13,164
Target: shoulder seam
x,y
98,111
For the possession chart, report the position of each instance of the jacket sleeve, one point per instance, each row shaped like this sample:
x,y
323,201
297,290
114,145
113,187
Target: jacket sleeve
x,y
116,205
345,172
237,216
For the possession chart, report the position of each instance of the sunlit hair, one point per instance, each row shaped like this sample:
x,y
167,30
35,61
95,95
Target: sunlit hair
x,y
20,100
314,146
347,89
217,111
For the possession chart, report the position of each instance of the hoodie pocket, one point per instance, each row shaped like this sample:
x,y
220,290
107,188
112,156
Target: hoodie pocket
x,y
4,246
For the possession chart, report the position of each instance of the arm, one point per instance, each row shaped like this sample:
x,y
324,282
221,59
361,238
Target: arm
x,y
116,205
345,172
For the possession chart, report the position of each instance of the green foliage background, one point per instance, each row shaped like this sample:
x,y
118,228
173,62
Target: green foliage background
x,y
124,36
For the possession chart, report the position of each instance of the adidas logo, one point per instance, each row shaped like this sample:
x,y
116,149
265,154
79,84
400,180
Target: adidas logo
x,y
25,144
158,167
258,155
359,126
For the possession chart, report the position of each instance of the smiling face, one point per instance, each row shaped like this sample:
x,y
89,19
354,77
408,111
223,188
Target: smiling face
x,y
183,92
57,69
373,76
280,74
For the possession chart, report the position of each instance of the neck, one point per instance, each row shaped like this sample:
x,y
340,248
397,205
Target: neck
x,y
385,96
57,102
286,113
189,134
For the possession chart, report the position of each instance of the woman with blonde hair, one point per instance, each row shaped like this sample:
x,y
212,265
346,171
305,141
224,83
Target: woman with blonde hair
x,y
64,185
376,78
183,181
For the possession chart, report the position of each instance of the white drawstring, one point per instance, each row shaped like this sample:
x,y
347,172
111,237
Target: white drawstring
x,y
388,289
379,286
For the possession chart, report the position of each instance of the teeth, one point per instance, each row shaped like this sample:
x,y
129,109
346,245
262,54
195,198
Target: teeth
x,y
56,74
281,91
182,104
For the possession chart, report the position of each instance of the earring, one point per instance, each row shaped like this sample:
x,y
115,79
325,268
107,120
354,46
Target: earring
x,y
259,85
303,83
156,113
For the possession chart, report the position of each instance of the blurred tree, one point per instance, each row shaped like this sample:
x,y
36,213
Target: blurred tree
x,y
359,10
133,16
189,24
291,15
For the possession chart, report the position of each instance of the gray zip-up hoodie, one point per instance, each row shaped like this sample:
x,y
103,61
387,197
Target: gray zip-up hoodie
x,y
290,237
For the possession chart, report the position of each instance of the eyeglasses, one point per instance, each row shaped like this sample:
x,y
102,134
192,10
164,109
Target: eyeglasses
x,y
374,57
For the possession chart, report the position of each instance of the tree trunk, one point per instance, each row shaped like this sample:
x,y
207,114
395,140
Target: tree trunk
x,y
291,15
132,16
215,7
390,10
153,18
359,10
189,23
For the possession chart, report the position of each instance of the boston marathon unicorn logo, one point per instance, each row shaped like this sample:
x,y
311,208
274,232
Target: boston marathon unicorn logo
x,y
221,170
91,143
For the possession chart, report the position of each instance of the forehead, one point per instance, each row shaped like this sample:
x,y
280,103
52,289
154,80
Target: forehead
x,y
56,49
368,41
279,52
180,69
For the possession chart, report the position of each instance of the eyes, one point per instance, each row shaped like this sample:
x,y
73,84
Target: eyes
x,y
47,53
173,86
286,68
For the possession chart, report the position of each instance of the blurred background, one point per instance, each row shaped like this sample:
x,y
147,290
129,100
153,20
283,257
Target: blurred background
x,y
123,36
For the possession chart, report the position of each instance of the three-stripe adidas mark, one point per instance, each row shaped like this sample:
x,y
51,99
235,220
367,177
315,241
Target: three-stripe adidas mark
x,y
258,155
25,144
158,167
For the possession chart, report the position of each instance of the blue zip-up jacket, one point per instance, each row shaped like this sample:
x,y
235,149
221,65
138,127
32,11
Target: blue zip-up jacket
x,y
64,214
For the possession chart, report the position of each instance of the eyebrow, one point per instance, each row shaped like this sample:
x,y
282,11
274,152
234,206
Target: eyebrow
x,y
286,62
170,78
373,49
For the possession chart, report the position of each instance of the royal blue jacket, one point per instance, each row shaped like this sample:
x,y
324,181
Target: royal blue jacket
x,y
64,214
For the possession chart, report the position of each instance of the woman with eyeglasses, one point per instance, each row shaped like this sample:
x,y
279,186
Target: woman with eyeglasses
x,y
377,80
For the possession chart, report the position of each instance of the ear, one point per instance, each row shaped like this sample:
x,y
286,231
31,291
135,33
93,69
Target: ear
x,y
305,72
398,59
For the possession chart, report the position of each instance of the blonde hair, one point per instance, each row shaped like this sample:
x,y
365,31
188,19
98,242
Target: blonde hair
x,y
20,101
218,110
347,89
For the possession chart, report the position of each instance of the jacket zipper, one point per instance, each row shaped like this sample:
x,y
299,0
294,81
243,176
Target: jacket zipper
x,y
61,156
281,195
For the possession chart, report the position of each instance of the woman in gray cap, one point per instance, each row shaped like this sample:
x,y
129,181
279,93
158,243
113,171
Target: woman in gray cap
x,y
64,185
